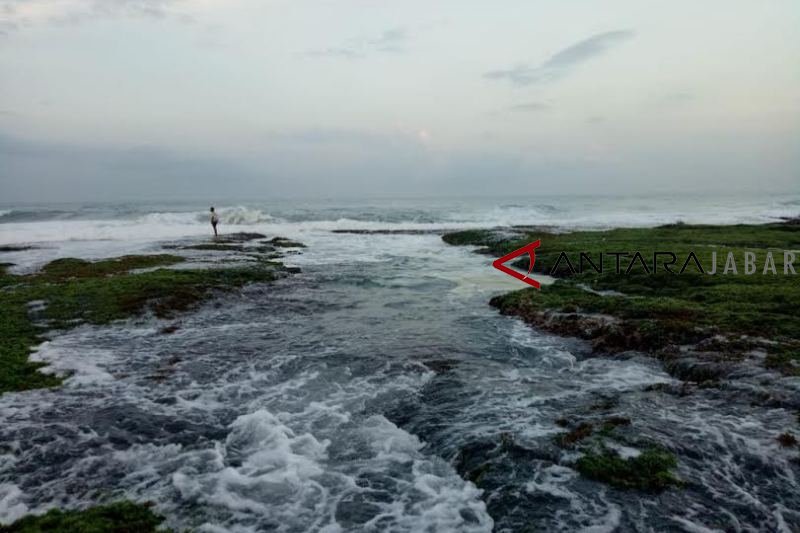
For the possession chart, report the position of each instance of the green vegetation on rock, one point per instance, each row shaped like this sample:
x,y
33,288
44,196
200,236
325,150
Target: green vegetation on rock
x,y
475,237
651,470
120,517
68,292
652,311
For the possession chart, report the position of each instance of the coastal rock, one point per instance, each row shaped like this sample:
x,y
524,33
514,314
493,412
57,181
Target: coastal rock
x,y
239,237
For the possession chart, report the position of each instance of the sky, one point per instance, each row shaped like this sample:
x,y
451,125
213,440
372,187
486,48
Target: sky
x,y
119,99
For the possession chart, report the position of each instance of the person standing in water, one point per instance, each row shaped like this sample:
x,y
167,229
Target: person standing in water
x,y
214,221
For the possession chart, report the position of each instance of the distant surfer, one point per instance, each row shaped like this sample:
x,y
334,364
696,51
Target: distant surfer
x,y
214,221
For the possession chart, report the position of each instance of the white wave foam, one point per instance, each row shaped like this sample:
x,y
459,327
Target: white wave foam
x,y
552,480
111,235
608,523
266,469
692,527
439,497
265,445
596,515
551,351
263,468
84,367
12,506
240,216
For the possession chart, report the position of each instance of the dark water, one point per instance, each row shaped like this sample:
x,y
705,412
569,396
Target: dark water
x,y
361,394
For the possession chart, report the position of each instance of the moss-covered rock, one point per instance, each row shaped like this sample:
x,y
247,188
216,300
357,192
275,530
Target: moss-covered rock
x,y
651,470
570,438
650,312
120,517
473,237
282,242
73,291
68,268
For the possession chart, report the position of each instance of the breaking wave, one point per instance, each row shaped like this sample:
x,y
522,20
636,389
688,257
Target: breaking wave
x,y
240,216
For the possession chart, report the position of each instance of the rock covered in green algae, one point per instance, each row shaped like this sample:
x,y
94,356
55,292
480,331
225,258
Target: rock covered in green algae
x,y
120,517
657,312
282,242
651,470
74,291
701,326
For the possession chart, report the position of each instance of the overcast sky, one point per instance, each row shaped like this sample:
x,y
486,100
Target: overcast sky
x,y
103,99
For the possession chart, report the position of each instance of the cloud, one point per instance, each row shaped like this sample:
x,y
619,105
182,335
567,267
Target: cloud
x,y
16,14
562,62
391,40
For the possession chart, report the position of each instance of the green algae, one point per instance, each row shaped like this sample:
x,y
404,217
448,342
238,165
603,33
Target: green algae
x,y
652,470
119,517
659,309
73,291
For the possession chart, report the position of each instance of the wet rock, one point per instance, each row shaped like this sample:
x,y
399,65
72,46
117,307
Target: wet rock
x,y
569,439
239,237
172,328
121,516
649,471
388,231
441,366
787,440
15,248
472,461
478,459
680,390
591,431
283,242
616,421
720,343
690,369
605,404
261,249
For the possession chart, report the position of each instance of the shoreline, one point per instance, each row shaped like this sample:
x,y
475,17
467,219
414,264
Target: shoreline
x,y
604,442
661,312
739,334
67,292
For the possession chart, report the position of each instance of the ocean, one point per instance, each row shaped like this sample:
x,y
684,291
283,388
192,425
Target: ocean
x,y
344,398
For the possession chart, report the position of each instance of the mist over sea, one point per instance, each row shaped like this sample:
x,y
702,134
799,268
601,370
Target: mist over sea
x,y
341,398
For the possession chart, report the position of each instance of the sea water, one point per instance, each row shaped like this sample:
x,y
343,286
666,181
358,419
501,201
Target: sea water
x,y
344,397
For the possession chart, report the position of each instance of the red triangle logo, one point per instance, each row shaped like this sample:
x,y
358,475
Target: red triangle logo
x,y
530,249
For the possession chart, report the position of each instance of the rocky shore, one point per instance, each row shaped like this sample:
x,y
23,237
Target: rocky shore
x,y
719,320
68,292
738,333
